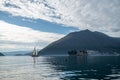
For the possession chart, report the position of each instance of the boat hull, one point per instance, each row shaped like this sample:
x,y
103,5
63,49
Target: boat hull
x,y
34,55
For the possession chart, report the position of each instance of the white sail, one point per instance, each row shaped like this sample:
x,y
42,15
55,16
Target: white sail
x,y
35,53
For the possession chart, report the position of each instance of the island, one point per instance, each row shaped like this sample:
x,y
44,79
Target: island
x,y
1,54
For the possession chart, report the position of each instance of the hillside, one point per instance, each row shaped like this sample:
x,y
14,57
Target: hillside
x,y
83,40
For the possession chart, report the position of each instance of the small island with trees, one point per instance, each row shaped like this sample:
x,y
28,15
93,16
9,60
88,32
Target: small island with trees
x,y
77,53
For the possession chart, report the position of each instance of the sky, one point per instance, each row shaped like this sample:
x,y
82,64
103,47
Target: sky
x,y
28,23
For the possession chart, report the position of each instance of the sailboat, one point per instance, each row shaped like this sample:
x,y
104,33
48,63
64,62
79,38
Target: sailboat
x,y
35,53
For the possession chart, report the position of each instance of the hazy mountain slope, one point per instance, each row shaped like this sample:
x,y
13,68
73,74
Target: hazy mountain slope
x,y
83,40
16,53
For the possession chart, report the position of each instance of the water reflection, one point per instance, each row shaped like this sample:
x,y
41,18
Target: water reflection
x,y
59,68
34,61
78,67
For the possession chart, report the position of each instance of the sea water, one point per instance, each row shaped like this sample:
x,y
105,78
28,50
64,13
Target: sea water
x,y
60,68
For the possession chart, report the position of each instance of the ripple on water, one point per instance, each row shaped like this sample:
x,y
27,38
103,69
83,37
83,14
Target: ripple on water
x,y
59,68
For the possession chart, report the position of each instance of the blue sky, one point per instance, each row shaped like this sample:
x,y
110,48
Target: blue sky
x,y
36,24
30,23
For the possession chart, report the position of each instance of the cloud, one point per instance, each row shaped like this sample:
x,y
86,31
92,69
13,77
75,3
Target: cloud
x,y
99,15
18,37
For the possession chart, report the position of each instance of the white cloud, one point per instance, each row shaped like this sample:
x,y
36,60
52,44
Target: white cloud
x,y
18,37
99,15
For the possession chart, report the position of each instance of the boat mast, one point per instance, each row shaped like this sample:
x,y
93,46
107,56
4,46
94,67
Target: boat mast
x,y
36,52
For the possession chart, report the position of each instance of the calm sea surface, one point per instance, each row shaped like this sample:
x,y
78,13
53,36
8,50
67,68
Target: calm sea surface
x,y
60,68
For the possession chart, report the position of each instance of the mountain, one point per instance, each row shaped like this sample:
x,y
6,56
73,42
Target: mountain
x,y
1,54
83,40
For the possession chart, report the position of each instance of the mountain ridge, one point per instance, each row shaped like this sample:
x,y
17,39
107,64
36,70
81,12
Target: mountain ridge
x,y
83,40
